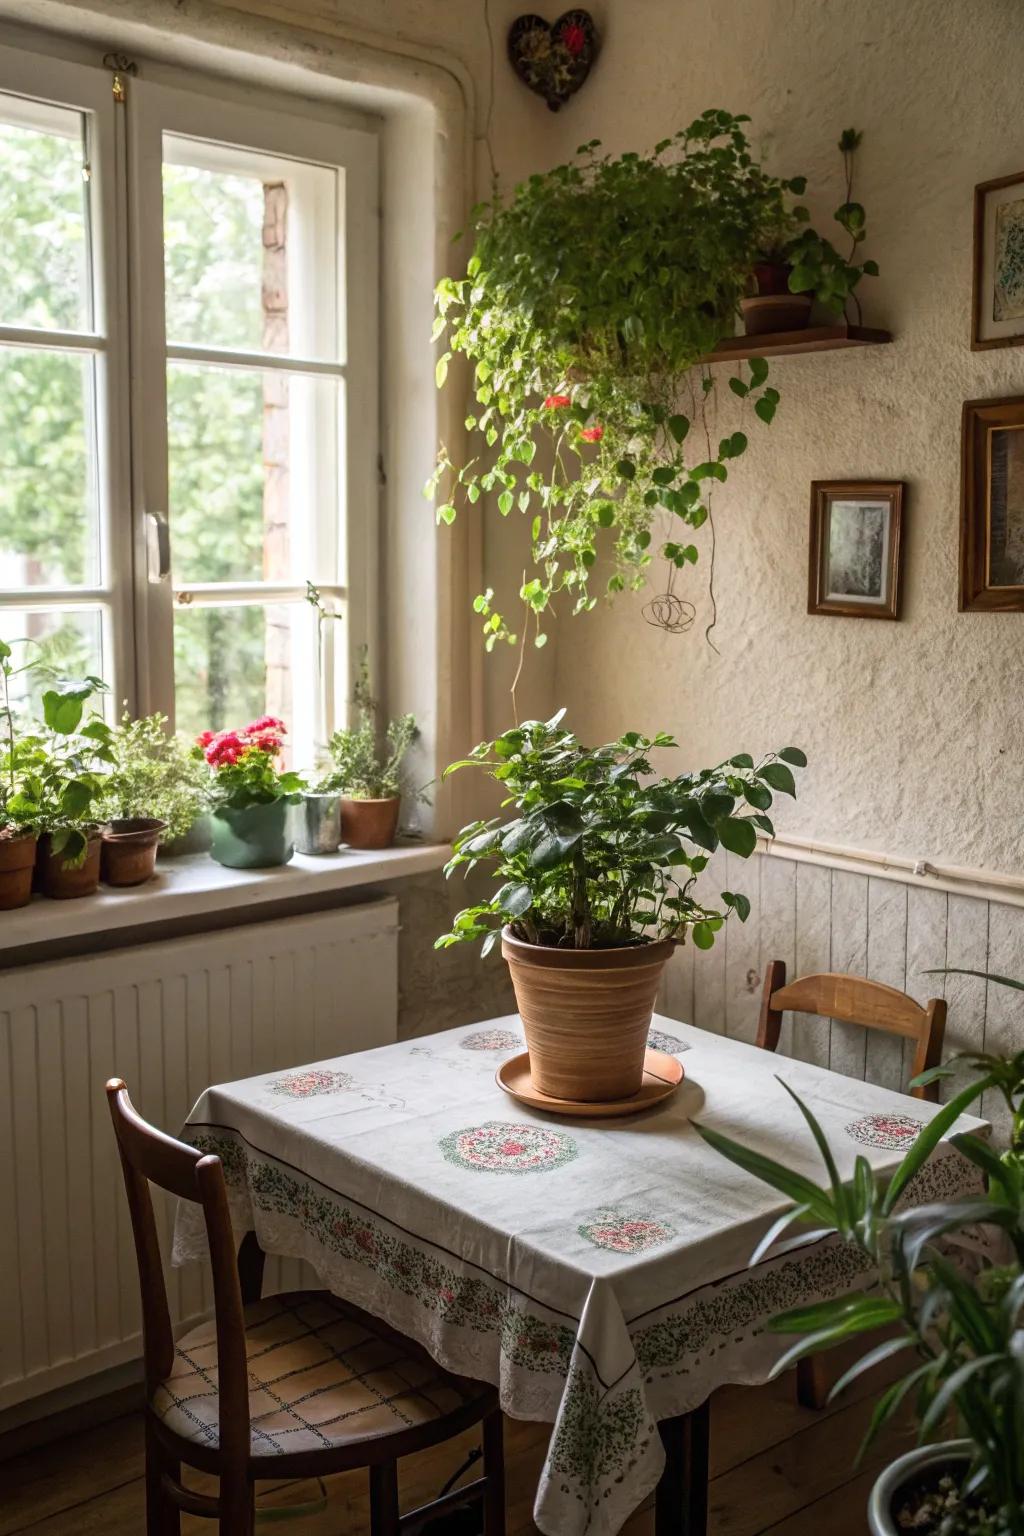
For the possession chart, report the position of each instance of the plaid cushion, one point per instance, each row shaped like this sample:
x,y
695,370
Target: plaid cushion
x,y
321,1373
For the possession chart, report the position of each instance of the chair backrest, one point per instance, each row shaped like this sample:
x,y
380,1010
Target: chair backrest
x,y
855,1000
150,1157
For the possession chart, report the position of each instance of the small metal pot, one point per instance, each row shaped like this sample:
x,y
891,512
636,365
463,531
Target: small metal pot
x,y
950,1455
316,822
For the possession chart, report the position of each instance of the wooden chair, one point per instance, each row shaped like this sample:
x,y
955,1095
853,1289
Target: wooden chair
x,y
298,1385
853,1000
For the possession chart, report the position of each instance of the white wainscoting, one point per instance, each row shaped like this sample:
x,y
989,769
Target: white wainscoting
x,y
817,918
169,1018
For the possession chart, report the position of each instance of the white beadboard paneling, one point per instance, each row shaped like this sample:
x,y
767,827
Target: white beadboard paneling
x,y
742,945
927,922
778,928
887,962
170,1019
810,1035
675,999
966,945
709,964
848,1042
1004,1014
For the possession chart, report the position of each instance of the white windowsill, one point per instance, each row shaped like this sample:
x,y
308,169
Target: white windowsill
x,y
195,886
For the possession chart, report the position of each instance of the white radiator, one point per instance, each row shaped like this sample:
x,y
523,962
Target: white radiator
x,y
170,1018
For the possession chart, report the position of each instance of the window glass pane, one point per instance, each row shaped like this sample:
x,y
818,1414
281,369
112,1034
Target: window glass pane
x,y
250,255
49,513
252,464
233,664
44,268
71,643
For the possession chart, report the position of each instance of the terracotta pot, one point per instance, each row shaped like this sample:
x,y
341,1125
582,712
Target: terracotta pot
x,y
369,823
775,312
17,861
952,1456
129,849
586,1014
62,884
772,277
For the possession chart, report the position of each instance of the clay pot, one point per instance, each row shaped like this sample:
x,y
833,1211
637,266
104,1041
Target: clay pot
x,y
775,312
586,1014
129,849
62,884
771,277
369,823
17,861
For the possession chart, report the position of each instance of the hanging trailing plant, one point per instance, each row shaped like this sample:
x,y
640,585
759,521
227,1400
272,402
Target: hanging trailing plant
x,y
590,299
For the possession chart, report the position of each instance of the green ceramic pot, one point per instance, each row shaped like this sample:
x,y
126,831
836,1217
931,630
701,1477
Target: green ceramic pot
x,y
257,837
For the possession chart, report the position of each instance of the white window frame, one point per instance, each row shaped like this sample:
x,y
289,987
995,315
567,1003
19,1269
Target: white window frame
x,y
88,90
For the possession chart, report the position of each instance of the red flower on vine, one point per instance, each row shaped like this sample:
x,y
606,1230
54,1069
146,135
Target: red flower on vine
x,y
592,434
556,402
573,38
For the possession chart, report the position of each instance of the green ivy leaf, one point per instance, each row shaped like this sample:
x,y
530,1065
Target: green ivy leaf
x,y
678,426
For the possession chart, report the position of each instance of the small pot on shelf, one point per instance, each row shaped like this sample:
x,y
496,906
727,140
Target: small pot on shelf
x,y
17,861
316,822
62,883
253,837
129,849
919,1468
369,823
586,1014
772,307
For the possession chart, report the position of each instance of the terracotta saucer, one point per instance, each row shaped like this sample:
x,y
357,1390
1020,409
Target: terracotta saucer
x,y
662,1076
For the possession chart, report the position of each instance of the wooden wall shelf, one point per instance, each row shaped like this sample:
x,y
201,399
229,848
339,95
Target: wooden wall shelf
x,y
813,338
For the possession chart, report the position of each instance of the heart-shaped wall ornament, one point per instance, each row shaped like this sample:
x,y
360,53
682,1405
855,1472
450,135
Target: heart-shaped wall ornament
x,y
553,58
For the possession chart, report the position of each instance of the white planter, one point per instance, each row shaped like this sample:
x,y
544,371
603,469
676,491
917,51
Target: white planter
x,y
906,1469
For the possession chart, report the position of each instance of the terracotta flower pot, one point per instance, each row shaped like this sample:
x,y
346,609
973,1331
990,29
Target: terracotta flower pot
x,y
369,823
62,884
771,277
129,849
586,1014
775,312
17,861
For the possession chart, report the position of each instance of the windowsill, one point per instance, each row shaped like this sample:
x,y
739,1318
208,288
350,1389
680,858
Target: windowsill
x,y
195,886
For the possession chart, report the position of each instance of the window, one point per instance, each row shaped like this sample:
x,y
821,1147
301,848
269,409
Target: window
x,y
188,301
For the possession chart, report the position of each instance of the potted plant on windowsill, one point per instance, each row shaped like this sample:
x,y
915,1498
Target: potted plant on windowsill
x,y
17,841
154,794
367,770
598,874
250,795
965,1340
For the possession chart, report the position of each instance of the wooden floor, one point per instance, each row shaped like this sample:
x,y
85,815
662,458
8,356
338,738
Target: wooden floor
x,y
776,1468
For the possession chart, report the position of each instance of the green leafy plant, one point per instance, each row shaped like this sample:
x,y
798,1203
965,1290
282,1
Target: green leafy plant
x,y
12,751
965,1341
592,300
817,267
603,854
59,767
366,762
155,773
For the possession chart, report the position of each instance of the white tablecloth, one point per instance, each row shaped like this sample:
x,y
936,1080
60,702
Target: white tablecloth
x,y
596,1271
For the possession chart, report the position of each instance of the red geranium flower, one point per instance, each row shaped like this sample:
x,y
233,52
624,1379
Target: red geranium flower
x,y
556,402
204,739
574,38
592,434
267,723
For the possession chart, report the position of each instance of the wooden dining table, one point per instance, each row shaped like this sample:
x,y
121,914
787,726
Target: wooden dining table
x,y
596,1271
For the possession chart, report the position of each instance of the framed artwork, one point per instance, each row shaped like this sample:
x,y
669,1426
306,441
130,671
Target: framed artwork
x,y
998,302
856,533
992,506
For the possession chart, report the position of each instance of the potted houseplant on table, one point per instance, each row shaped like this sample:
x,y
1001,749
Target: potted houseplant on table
x,y
17,841
964,1339
250,795
154,793
367,770
598,872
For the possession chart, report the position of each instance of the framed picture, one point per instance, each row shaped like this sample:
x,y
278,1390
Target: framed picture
x,y
992,506
856,530
998,303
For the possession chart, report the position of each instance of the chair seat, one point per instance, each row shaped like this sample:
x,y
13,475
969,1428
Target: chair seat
x,y
322,1375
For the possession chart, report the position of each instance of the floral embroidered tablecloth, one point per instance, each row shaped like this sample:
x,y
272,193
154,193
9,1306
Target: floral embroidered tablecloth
x,y
595,1271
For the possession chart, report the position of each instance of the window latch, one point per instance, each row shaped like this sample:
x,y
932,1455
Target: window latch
x,y
158,546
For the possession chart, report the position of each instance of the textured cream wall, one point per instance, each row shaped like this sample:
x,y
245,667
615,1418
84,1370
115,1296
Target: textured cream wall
x,y
913,730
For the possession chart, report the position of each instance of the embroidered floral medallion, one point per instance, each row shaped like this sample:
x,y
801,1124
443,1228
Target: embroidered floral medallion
x,y
657,1040
311,1083
499,1146
891,1132
622,1231
493,1040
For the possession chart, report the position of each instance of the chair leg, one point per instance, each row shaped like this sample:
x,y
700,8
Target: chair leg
x,y
237,1507
494,1471
681,1499
384,1512
812,1382
162,1518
